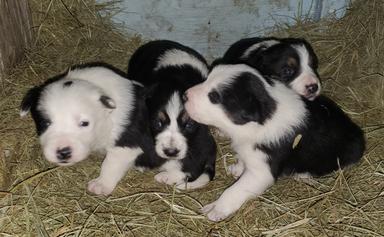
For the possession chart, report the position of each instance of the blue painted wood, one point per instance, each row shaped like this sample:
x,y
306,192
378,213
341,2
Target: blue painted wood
x,y
210,26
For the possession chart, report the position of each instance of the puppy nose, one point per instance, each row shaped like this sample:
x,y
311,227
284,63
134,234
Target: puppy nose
x,y
64,154
184,97
171,152
312,88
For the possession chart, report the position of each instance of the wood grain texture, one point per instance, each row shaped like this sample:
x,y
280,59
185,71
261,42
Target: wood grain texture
x,y
15,32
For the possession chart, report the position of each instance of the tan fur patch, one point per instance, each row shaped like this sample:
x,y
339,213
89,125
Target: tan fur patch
x,y
292,62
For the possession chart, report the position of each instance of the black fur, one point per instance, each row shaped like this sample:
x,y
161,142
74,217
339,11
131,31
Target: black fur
x,y
136,134
330,139
278,62
30,102
160,86
251,103
237,49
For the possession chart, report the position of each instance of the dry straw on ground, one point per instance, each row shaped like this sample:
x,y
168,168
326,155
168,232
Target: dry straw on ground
x,y
42,200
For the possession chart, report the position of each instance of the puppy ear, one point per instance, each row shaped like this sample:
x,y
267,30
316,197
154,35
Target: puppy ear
x,y
149,90
29,100
251,111
108,102
254,114
258,105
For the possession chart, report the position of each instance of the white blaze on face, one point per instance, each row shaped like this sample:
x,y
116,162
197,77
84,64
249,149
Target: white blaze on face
x,y
171,140
307,76
176,57
69,109
265,44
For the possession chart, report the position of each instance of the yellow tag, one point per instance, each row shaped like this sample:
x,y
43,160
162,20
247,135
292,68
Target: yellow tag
x,y
296,141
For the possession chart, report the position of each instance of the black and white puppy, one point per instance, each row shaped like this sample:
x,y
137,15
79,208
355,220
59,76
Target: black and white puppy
x,y
167,69
291,61
92,107
264,121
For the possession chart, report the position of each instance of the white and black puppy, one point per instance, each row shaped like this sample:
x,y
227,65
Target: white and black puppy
x,y
167,69
263,120
291,61
92,107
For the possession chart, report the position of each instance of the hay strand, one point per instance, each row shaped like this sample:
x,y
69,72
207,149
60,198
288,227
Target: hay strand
x,y
50,201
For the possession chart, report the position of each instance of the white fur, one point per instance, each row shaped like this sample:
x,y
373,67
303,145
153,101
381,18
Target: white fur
x,y
289,106
201,181
176,57
171,137
256,176
172,174
115,165
68,106
266,44
307,76
118,88
198,105
236,170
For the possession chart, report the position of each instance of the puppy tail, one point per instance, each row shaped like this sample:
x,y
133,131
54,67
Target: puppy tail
x,y
201,181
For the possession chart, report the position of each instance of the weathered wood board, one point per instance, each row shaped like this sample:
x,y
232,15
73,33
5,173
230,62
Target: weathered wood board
x,y
15,36
15,32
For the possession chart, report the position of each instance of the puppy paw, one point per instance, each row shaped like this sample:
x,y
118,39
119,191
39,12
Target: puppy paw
x,y
168,178
216,212
236,170
97,187
305,178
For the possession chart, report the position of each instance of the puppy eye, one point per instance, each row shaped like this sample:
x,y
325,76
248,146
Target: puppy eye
x,y
189,125
46,123
158,124
287,72
84,124
214,97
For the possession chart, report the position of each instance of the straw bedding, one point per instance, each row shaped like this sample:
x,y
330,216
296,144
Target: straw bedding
x,y
38,199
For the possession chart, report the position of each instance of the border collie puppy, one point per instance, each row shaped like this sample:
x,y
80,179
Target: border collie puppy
x,y
91,107
291,61
264,121
167,69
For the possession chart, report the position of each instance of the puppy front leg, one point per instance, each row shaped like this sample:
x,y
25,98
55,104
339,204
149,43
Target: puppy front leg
x,y
114,167
253,182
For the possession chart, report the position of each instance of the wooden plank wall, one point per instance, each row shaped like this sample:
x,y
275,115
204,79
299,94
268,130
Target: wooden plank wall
x,y
15,36
15,32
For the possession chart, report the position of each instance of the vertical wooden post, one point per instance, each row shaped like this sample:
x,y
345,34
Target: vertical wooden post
x,y
15,36
15,32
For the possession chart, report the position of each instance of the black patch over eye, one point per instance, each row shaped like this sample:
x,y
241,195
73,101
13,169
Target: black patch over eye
x,y
42,125
287,72
46,123
214,97
84,124
158,124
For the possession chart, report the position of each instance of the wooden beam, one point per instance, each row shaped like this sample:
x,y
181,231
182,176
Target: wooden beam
x,y
15,32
